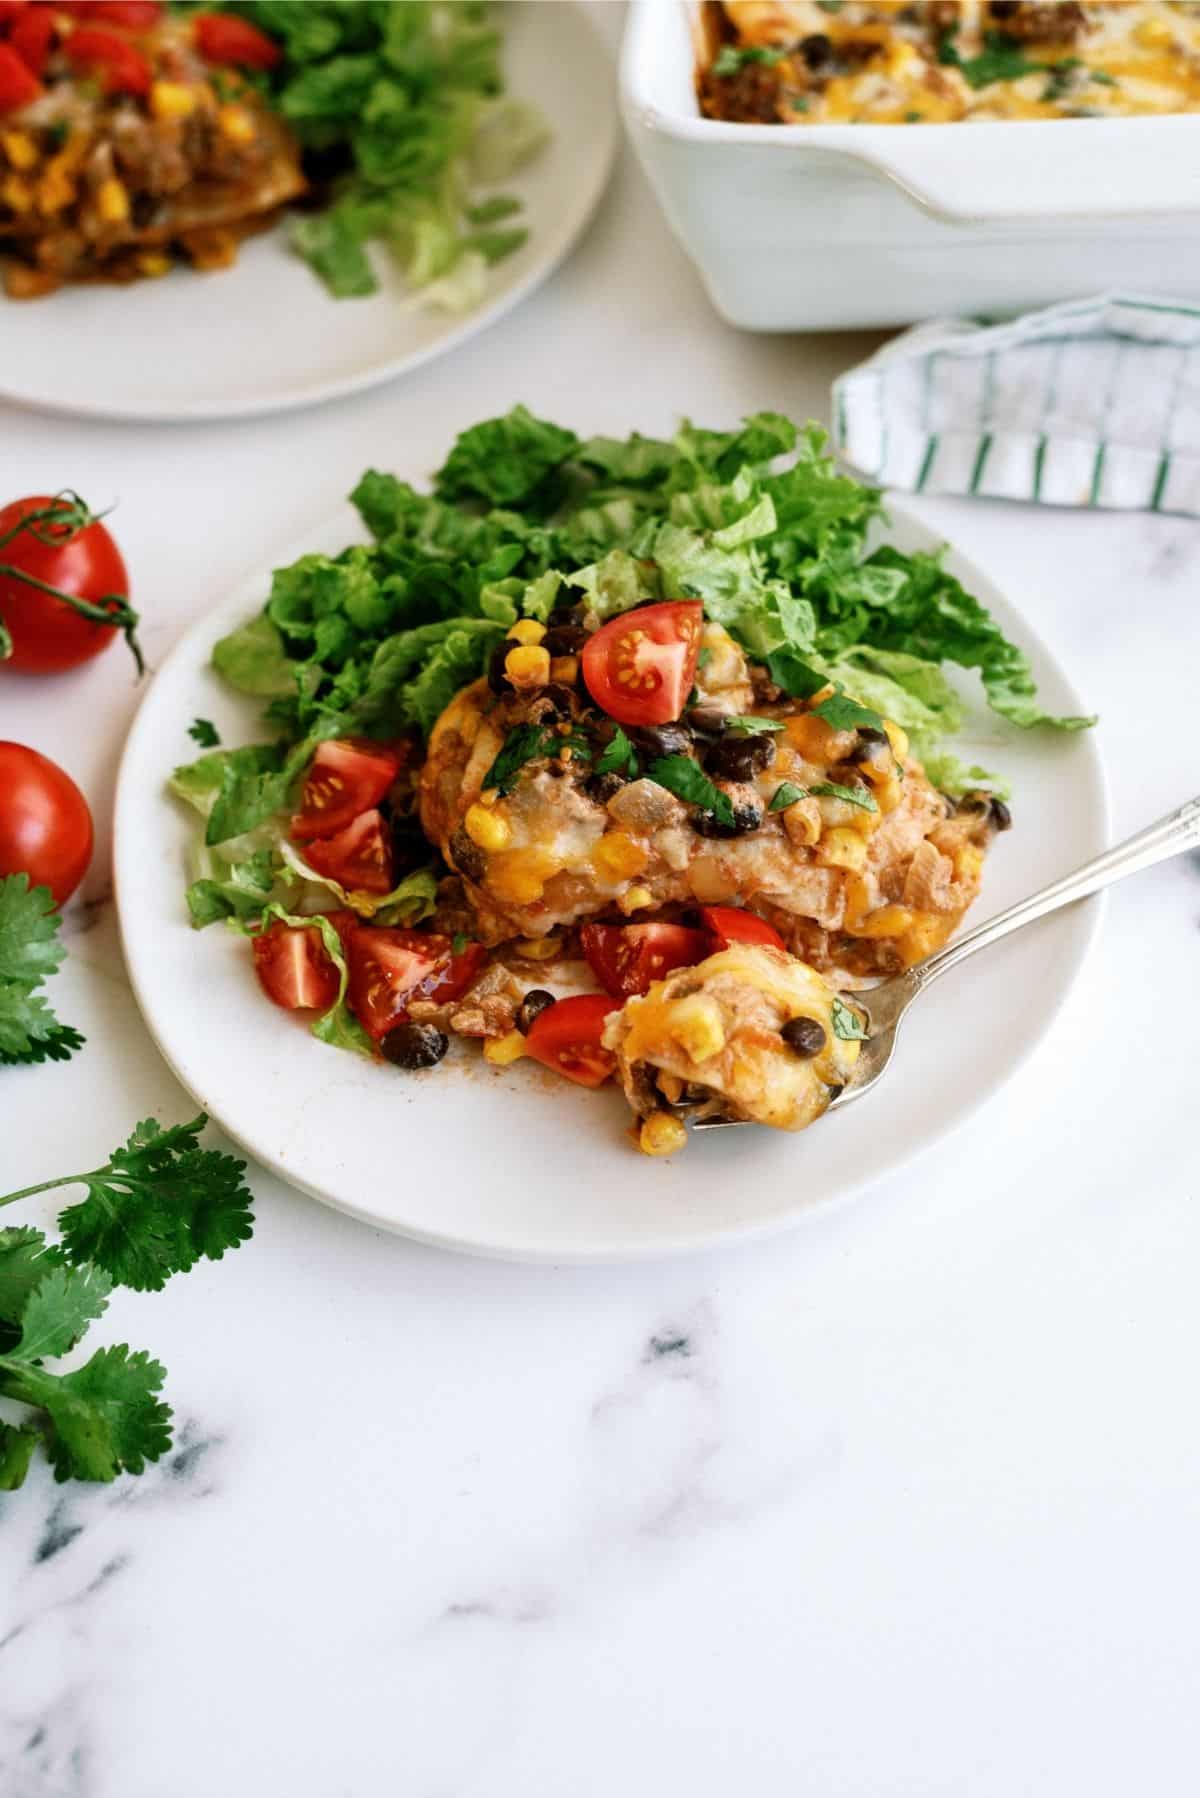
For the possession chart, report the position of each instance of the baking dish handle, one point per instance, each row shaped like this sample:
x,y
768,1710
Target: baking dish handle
x,y
1021,171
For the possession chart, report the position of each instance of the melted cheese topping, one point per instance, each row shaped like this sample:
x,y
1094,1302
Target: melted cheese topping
x,y
911,64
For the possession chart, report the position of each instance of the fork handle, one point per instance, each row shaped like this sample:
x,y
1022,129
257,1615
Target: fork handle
x,y
1178,831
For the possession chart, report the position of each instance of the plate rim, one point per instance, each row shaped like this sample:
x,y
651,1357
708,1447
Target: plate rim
x,y
337,529
490,312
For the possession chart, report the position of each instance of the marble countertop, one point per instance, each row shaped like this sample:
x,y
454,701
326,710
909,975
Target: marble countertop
x,y
899,1503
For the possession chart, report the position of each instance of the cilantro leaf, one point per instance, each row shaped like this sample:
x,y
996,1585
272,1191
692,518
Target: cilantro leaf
x,y
841,712
58,1044
620,757
745,724
25,1259
732,57
101,1419
16,1450
848,1024
202,731
787,793
524,743
158,1206
688,781
58,1311
29,950
829,789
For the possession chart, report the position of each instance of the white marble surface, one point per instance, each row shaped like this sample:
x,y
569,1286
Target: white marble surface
x,y
899,1505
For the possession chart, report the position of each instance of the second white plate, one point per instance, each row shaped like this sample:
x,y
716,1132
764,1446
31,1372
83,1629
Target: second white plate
x,y
516,1162
266,336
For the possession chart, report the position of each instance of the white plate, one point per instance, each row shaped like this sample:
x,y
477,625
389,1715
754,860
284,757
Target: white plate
x,y
518,1163
266,336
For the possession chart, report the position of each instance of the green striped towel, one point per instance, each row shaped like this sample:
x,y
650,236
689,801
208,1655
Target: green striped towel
x,y
1091,403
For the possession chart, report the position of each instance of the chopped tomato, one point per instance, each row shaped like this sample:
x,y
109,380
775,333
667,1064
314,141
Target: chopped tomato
x,y
730,924
359,857
627,960
223,39
346,776
31,36
121,66
345,922
134,15
294,968
391,968
18,84
640,667
11,9
566,1037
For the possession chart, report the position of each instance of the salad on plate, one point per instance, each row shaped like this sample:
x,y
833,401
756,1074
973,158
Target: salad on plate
x,y
626,756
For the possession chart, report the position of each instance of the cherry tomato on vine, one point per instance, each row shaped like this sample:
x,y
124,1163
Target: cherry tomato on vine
x,y
45,825
53,542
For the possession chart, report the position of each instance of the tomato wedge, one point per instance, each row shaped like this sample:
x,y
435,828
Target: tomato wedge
x,y
294,968
121,66
346,776
640,668
18,84
221,38
359,857
391,968
31,35
730,924
566,1037
627,960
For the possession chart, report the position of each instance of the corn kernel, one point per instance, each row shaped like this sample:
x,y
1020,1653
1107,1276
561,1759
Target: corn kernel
x,y
502,1051
236,124
812,738
661,1134
520,875
927,934
889,920
153,263
901,58
802,822
696,1025
16,193
19,148
172,100
1154,33
843,848
636,899
56,189
487,830
888,794
528,665
539,948
858,901
112,201
617,857
897,738
565,669
527,630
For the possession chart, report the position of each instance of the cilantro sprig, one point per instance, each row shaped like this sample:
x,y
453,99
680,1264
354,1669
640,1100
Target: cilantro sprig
x,y
159,1205
29,953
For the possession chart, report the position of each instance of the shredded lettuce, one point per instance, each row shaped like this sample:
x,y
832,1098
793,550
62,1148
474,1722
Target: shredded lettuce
x,y
405,104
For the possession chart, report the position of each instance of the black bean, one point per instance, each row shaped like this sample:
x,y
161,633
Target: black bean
x,y
816,50
661,739
602,787
467,856
498,681
409,843
535,1002
569,607
872,745
1001,816
560,697
414,1046
1004,9
804,1037
745,819
707,720
740,757
564,639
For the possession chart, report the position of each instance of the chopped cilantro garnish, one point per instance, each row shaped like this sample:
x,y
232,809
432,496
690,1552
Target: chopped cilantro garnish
x,y
848,1024
843,713
747,725
730,58
786,794
203,732
688,781
829,789
522,744
619,758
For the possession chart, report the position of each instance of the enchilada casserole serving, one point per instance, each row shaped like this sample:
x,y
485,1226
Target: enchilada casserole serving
x,y
846,62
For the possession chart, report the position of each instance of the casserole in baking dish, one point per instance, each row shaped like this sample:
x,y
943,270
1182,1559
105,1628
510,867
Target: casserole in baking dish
x,y
820,225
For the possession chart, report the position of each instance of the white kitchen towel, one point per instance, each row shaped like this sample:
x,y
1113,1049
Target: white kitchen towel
x,y
1091,403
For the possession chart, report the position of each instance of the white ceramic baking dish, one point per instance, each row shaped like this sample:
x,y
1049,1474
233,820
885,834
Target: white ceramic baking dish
x,y
807,227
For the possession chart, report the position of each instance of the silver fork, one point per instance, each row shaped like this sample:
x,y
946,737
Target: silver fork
x,y
884,1006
